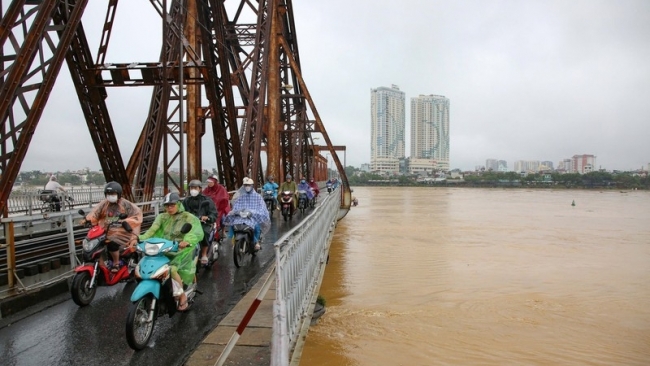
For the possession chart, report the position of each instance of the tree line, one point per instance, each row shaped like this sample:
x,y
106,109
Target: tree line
x,y
598,179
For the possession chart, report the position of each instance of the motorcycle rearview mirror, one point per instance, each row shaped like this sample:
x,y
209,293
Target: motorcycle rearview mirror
x,y
186,228
81,212
123,216
126,226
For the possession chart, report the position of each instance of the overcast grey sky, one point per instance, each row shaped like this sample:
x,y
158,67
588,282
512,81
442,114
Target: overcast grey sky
x,y
527,80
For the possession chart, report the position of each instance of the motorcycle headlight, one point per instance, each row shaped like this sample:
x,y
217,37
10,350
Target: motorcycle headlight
x,y
152,249
88,245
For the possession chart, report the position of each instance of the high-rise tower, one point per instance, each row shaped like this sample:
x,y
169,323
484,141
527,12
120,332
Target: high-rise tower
x,y
388,122
429,133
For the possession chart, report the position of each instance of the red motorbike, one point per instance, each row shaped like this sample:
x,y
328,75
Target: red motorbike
x,y
90,274
286,204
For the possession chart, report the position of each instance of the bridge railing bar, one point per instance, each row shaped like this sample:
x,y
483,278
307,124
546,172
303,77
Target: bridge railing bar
x,y
28,201
300,255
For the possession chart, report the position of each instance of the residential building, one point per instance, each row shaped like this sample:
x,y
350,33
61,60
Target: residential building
x,y
527,166
583,164
492,164
388,122
429,133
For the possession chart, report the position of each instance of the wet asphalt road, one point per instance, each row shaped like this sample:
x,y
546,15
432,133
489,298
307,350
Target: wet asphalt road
x,y
64,334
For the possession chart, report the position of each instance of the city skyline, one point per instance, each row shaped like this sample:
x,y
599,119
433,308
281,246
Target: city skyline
x,y
528,80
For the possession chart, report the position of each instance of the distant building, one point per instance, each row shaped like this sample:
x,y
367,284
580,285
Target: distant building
x,y
503,166
492,164
547,165
365,167
565,165
429,133
388,122
583,164
527,166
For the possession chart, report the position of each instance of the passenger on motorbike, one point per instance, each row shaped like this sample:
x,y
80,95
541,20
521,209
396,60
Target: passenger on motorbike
x,y
251,201
270,185
53,186
168,225
314,186
203,208
109,210
303,186
219,196
289,185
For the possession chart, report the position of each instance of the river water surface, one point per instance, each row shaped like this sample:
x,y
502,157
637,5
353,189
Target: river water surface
x,y
461,276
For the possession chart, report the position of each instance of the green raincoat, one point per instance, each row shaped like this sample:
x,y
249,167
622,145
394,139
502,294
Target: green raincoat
x,y
169,227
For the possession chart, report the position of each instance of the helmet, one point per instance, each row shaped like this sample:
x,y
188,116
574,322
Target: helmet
x,y
288,176
270,177
213,178
113,187
171,198
248,181
195,183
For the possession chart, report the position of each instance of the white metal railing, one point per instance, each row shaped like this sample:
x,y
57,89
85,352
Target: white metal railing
x,y
29,202
300,255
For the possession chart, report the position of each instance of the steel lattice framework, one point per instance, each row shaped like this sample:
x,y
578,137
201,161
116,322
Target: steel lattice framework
x,y
207,54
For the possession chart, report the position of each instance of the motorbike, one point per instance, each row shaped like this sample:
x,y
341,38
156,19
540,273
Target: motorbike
x,y
329,187
90,275
303,201
269,199
286,201
153,297
243,240
214,244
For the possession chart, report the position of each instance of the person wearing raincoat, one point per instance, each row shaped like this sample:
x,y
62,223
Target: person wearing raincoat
x,y
168,225
108,211
247,199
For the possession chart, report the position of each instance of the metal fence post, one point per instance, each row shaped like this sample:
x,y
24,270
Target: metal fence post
x,y
11,253
71,246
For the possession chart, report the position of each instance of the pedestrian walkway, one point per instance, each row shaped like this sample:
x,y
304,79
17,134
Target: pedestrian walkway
x,y
254,345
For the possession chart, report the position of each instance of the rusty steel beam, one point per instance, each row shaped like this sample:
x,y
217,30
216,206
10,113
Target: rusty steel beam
x,y
341,169
93,104
16,135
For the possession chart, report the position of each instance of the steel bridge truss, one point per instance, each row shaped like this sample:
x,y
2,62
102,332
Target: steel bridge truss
x,y
210,53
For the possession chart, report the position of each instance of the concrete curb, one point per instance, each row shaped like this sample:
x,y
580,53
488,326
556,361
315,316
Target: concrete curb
x,y
254,346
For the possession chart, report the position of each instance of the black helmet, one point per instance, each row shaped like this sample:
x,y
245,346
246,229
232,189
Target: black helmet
x,y
195,183
113,187
171,198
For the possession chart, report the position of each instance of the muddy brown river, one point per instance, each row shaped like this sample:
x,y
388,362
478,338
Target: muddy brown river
x,y
461,276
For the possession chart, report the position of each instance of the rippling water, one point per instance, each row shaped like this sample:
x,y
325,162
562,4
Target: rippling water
x,y
458,276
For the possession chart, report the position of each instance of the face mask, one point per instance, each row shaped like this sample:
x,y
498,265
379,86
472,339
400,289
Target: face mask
x,y
112,198
302,181
248,189
194,192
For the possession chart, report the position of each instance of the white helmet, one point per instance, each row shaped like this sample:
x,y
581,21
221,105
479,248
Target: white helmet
x,y
247,181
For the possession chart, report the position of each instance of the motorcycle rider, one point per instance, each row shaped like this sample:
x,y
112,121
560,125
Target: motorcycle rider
x,y
314,186
54,186
288,185
270,185
252,201
168,225
303,186
202,207
109,210
219,196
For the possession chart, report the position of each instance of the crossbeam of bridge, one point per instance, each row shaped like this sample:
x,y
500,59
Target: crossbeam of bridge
x,y
233,64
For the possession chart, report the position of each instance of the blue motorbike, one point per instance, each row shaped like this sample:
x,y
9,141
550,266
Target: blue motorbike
x,y
154,295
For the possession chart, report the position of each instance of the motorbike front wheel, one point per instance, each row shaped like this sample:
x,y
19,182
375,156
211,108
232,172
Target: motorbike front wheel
x,y
138,327
239,252
285,213
82,293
